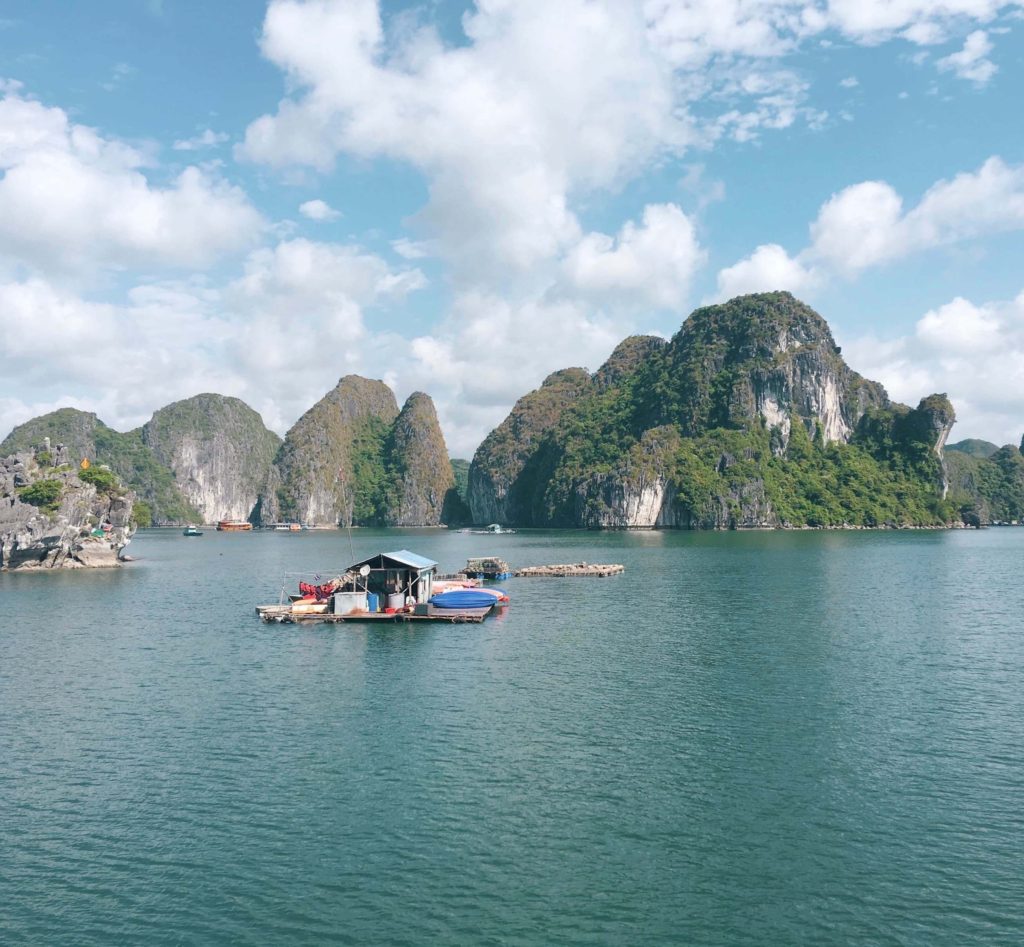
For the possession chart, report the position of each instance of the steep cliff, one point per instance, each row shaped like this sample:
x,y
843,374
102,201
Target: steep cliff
x,y
331,466
748,417
419,472
75,435
59,516
219,451
502,479
767,355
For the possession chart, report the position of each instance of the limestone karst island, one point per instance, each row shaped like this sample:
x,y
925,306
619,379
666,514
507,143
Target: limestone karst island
x,y
747,417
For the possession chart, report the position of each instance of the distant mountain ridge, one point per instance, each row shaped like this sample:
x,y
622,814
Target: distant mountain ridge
x,y
747,417
352,458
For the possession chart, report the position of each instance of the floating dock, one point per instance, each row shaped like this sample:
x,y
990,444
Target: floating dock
x,y
597,569
284,614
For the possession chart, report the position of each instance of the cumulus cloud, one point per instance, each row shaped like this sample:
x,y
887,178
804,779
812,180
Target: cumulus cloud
x,y
972,351
767,269
318,210
542,104
72,199
866,225
971,62
646,265
278,335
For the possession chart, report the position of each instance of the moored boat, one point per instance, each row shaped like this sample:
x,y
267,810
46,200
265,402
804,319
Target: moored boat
x,y
233,526
192,531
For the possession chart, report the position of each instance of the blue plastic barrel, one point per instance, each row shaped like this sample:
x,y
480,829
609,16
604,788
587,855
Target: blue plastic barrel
x,y
372,602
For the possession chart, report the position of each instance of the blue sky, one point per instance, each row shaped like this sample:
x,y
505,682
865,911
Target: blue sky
x,y
460,198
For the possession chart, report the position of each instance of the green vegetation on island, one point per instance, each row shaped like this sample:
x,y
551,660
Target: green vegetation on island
x,y
748,417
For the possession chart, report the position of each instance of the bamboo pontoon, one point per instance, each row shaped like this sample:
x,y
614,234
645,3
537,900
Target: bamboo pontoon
x,y
572,570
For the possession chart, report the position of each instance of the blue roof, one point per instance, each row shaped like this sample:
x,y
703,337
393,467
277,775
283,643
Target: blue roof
x,y
411,559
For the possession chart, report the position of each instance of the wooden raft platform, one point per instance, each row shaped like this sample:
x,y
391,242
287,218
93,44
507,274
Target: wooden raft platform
x,y
284,615
571,570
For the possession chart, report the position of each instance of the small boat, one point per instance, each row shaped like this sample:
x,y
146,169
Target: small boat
x,y
465,598
232,526
494,529
192,531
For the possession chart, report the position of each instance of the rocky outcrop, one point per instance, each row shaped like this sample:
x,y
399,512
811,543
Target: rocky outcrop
x,y
331,464
502,476
50,517
419,471
748,417
76,435
769,356
219,451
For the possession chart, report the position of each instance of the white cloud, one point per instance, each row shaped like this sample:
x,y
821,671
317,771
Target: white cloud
x,y
207,138
971,62
410,249
866,225
850,82
973,352
857,227
767,269
73,200
278,336
872,21
647,265
543,104
318,210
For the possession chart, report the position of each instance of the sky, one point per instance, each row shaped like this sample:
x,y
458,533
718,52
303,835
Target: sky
x,y
460,198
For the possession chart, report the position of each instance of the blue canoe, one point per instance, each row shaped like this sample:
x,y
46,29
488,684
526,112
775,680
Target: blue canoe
x,y
462,598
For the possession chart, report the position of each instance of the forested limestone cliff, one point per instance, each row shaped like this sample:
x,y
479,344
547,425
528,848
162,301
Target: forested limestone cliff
x,y
748,417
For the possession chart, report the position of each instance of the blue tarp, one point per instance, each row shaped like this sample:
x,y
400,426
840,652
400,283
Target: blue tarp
x,y
462,598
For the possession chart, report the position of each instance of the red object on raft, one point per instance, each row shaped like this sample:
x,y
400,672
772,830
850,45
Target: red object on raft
x,y
319,592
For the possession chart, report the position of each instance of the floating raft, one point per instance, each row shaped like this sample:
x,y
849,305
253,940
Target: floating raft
x,y
285,615
575,569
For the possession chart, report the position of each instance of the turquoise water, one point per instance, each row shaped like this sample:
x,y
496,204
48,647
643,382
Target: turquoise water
x,y
764,738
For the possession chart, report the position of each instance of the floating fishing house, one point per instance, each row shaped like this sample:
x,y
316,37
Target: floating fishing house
x,y
395,586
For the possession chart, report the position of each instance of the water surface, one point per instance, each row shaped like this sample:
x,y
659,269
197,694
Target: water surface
x,y
748,738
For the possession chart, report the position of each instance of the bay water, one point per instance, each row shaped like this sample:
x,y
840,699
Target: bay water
x,y
747,738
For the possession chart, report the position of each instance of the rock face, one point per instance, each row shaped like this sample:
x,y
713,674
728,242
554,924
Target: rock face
x,y
331,464
503,474
419,470
83,435
219,451
748,417
351,459
769,356
51,518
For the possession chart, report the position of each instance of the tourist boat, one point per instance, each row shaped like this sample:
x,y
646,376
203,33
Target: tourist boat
x,y
192,531
287,527
494,529
233,526
390,586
